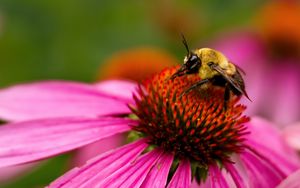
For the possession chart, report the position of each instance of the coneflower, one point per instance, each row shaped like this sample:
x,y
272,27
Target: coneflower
x,y
174,141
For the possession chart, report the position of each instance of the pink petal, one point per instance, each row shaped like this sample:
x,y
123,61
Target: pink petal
x,y
100,167
292,135
255,74
90,151
292,181
240,47
159,174
195,184
57,99
34,140
120,89
216,178
237,178
182,176
268,140
12,172
133,174
284,106
260,174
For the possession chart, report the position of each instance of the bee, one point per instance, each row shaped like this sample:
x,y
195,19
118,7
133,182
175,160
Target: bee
x,y
212,67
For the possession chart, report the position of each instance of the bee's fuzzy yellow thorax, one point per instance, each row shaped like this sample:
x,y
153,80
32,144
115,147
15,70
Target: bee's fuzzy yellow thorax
x,y
208,55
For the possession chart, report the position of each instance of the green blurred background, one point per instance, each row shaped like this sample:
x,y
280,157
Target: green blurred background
x,y
53,39
69,39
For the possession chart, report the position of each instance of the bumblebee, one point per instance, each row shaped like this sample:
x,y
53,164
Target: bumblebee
x,y
212,67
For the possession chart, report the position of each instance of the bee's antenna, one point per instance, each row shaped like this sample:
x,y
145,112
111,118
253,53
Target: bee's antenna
x,y
185,43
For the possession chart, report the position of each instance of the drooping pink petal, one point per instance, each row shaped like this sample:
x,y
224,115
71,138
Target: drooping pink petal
x,y
259,172
100,167
90,151
120,89
286,166
159,174
182,176
240,47
57,99
132,175
237,178
37,139
195,184
11,172
284,102
216,178
278,102
292,181
292,135
268,140
255,74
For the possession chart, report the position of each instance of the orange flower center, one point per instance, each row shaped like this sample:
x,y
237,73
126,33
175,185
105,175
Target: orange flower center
x,y
195,126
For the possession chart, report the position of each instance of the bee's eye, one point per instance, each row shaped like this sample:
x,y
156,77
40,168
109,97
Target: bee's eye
x,y
193,64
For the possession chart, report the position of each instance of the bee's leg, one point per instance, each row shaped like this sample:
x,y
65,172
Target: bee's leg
x,y
226,96
197,84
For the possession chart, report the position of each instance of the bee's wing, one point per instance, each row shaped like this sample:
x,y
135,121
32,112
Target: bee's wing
x,y
236,80
239,68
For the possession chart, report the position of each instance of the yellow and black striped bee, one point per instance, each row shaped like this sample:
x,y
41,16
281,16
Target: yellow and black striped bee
x,y
212,67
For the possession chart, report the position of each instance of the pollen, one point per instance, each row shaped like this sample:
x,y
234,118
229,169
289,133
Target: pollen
x,y
196,125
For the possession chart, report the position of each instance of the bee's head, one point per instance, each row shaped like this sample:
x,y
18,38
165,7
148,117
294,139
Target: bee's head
x,y
192,63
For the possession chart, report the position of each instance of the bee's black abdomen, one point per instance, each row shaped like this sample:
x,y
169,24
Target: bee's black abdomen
x,y
218,80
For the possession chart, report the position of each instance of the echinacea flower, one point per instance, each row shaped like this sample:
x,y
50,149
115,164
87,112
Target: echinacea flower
x,y
175,141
